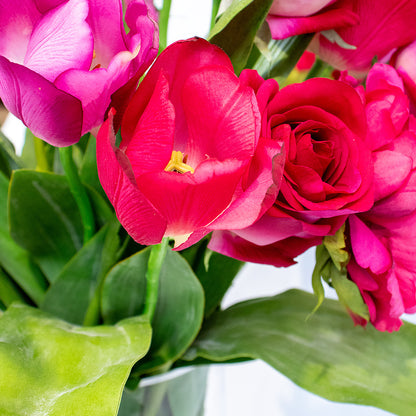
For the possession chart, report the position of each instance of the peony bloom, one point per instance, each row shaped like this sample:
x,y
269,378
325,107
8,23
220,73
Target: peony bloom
x,y
61,61
382,240
190,159
327,174
383,26
296,17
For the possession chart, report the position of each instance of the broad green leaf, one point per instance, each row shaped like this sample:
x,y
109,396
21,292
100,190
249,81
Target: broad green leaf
x,y
8,159
179,310
79,282
236,29
325,354
281,57
52,368
14,259
44,219
216,276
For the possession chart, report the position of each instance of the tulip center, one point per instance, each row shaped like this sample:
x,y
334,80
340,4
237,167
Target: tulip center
x,y
177,163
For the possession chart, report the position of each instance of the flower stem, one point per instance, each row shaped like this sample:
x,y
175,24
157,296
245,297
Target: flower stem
x,y
41,159
163,24
154,266
78,191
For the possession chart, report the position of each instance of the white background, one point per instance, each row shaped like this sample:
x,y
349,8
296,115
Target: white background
x,y
251,388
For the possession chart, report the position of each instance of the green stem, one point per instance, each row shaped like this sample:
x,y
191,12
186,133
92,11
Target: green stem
x,y
78,191
163,24
154,266
41,159
215,8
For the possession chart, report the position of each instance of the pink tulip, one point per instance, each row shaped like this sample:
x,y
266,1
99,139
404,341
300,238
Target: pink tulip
x,y
383,26
295,17
382,240
190,159
61,61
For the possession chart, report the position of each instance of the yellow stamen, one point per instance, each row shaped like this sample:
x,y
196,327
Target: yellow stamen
x,y
176,164
93,54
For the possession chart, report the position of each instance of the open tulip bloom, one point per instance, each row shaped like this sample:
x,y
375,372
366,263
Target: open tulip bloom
x,y
177,164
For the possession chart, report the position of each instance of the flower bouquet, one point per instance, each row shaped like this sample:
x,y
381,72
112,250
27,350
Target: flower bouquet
x,y
151,173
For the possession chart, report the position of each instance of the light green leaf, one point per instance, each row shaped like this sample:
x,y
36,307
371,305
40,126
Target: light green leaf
x,y
179,310
335,245
52,368
326,354
44,219
236,29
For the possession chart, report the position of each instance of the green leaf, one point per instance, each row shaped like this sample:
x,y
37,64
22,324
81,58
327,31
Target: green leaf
x,y
14,259
216,277
44,219
335,245
348,293
75,292
9,293
322,258
281,57
179,309
8,159
49,367
236,29
88,171
326,355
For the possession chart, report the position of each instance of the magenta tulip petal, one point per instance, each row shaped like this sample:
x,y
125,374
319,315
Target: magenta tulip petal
x,y
369,252
40,105
17,21
138,217
63,37
45,5
284,27
106,22
191,201
298,7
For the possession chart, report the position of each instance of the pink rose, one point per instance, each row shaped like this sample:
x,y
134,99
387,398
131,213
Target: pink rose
x,y
190,159
62,60
327,174
383,26
383,240
295,17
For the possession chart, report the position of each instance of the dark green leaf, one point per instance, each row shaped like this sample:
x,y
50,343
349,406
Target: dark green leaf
x,y
49,367
8,159
326,354
14,259
216,276
236,29
75,292
281,57
88,171
44,219
179,310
